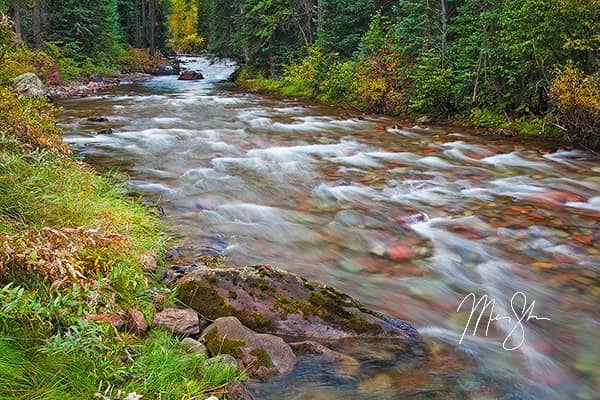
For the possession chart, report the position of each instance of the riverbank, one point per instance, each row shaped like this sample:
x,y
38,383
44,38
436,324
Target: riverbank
x,y
482,121
85,287
78,275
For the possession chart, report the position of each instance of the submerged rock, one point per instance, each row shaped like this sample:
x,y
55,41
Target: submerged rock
x,y
29,85
97,119
263,355
164,70
269,300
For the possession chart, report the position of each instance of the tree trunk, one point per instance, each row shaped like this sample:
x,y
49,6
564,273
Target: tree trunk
x,y
17,21
144,26
152,16
36,24
307,12
444,30
138,24
319,16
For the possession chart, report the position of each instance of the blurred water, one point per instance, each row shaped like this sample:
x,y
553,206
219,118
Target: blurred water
x,y
408,220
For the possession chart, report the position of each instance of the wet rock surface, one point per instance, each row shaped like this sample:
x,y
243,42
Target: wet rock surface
x,y
237,391
190,76
270,300
263,355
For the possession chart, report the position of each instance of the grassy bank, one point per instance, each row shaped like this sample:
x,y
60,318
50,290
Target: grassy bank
x,y
72,246
373,97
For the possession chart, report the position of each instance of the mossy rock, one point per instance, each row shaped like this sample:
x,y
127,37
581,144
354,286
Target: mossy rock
x,y
269,300
261,354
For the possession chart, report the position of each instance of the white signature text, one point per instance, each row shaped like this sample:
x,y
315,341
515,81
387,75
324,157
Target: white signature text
x,y
521,314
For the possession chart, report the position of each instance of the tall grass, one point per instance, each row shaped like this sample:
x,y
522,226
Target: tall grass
x,y
72,244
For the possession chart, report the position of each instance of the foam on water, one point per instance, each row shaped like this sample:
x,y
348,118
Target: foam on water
x,y
514,160
359,160
407,221
592,204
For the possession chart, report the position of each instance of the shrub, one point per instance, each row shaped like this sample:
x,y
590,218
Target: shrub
x,y
190,44
31,121
338,83
576,96
432,85
137,60
380,79
308,75
69,68
485,118
21,60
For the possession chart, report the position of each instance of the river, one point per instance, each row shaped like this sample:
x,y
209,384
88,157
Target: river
x,y
409,220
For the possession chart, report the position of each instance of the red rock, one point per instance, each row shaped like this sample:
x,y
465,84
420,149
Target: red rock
x,y
114,319
180,321
237,391
556,198
136,322
260,296
399,252
584,239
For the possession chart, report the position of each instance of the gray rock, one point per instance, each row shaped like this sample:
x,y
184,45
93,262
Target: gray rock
x,y
29,85
269,300
424,120
225,359
237,391
179,321
194,346
262,354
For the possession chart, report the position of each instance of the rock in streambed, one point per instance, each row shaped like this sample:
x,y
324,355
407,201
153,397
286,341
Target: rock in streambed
x,y
272,301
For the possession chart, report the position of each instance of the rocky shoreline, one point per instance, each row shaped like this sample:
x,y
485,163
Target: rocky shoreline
x,y
85,87
264,319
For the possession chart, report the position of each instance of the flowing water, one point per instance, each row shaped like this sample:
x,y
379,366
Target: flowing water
x,y
407,220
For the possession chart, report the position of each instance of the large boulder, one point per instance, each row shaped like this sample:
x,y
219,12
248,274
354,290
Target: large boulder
x,y
190,76
29,85
163,70
263,355
270,300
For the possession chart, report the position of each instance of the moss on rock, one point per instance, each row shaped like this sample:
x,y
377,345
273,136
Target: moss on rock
x,y
262,357
217,345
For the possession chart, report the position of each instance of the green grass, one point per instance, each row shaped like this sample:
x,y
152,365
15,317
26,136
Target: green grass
x,y
88,359
72,244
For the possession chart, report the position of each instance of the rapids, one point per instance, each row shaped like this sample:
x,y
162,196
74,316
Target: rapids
x,y
408,220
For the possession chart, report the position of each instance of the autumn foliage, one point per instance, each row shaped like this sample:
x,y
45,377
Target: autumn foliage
x,y
577,98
